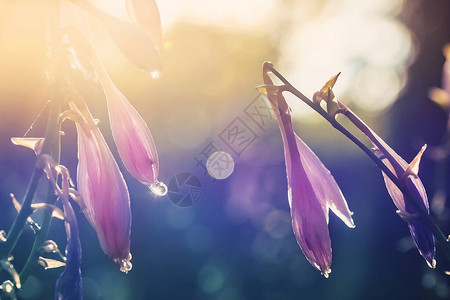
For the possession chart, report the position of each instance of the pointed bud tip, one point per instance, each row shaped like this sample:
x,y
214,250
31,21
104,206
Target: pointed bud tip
x,y
125,264
266,89
326,273
413,168
432,264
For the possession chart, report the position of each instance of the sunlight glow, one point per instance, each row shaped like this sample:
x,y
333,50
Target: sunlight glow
x,y
372,55
232,13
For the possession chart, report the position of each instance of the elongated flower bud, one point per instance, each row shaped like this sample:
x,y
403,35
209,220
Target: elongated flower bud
x,y
312,190
407,175
105,199
130,132
131,135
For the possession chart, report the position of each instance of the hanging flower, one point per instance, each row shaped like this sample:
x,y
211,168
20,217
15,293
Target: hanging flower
x,y
312,190
104,195
131,134
406,173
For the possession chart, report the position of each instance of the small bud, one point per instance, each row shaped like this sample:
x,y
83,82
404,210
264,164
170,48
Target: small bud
x,y
50,246
8,266
413,167
33,225
49,263
8,290
333,105
266,89
34,144
322,94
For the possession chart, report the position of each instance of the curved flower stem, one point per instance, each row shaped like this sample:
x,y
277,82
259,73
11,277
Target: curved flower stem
x,y
17,227
20,221
440,237
52,143
40,238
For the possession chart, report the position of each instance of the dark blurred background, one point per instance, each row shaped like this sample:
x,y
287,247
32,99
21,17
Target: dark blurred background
x,y
236,242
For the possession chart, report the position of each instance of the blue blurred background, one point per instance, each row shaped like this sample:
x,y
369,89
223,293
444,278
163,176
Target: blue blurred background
x,y
236,242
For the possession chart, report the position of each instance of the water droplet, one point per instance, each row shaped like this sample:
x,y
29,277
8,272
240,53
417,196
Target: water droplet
x,y
155,74
2,236
125,264
432,265
159,188
326,274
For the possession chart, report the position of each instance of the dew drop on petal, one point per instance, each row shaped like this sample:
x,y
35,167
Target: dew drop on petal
x,y
126,265
159,188
155,74
432,265
326,274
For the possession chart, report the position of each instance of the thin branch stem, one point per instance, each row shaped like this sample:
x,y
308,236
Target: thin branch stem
x,y
53,145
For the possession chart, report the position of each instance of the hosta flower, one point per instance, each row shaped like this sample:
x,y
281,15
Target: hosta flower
x,y
130,132
104,195
405,173
131,135
312,191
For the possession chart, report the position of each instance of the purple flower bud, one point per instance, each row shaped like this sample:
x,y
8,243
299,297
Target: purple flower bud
x,y
407,175
312,190
105,199
131,135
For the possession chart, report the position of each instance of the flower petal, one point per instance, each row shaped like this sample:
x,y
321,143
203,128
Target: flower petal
x,y
308,211
104,192
131,134
324,184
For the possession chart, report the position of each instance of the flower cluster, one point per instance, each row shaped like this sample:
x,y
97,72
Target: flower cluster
x,y
101,190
